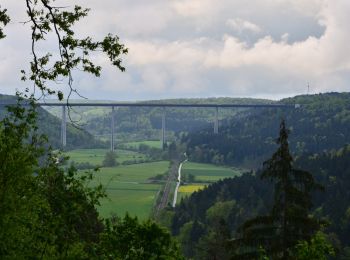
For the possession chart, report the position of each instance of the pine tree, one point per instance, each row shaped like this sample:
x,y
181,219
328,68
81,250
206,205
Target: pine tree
x,y
289,220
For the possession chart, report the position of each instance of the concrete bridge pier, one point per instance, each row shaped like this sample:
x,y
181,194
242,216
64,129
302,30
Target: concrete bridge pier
x,y
112,129
216,122
64,127
163,130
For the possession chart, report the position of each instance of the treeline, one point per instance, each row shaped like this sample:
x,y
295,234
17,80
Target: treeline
x,y
211,217
322,123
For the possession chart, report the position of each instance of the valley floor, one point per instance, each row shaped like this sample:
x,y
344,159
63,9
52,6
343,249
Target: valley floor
x,y
131,188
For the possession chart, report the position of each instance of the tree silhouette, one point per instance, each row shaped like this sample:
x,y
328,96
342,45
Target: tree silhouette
x,y
289,220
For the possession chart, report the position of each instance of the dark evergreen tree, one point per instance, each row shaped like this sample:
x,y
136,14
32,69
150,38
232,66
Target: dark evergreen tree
x,y
289,220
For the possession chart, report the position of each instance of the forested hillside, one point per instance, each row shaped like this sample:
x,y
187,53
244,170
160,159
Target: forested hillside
x,y
321,123
51,127
209,217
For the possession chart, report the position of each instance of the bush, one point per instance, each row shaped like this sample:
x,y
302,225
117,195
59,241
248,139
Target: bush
x,y
110,159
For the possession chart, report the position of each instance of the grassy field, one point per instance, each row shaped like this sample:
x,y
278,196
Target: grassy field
x,y
208,172
96,156
128,190
154,144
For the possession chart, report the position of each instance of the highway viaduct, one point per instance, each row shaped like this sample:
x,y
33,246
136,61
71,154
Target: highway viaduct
x,y
114,105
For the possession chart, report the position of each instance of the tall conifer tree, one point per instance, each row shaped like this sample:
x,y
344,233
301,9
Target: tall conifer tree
x,y
289,220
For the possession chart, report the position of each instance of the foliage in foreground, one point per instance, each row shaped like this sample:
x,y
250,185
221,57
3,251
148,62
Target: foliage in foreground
x,y
47,212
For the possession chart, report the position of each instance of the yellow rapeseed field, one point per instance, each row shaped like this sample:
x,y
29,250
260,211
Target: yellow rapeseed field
x,y
190,188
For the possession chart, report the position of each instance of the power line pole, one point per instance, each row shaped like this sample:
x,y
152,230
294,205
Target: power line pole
x,y
112,129
64,127
216,121
163,129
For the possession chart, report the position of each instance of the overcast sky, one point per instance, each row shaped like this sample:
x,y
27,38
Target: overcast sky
x,y
203,48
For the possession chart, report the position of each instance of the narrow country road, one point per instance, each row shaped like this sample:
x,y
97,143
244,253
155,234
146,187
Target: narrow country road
x,y
178,183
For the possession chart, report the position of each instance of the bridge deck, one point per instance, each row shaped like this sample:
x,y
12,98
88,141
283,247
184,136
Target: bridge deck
x,y
133,104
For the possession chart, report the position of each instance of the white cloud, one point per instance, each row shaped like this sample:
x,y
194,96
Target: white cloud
x,y
241,25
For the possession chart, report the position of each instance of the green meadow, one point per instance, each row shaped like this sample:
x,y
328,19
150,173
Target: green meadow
x,y
128,188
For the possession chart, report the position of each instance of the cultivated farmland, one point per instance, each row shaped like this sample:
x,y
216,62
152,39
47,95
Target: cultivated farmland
x,y
128,188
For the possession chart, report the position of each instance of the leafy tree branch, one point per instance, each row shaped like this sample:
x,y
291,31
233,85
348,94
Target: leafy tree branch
x,y
74,53
4,20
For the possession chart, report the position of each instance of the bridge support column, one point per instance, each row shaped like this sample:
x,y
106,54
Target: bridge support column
x,y
163,130
112,129
64,127
216,122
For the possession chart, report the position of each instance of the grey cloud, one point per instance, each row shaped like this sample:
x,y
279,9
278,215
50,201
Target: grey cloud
x,y
184,48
